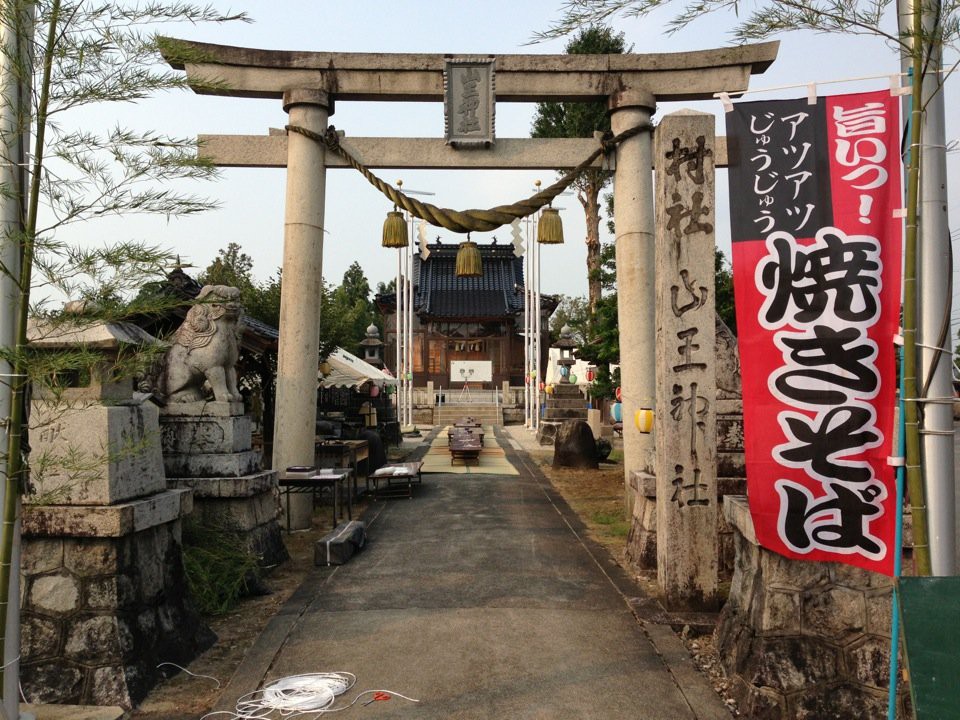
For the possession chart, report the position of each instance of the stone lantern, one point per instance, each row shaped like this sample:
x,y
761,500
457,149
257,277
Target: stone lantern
x,y
371,345
565,344
102,571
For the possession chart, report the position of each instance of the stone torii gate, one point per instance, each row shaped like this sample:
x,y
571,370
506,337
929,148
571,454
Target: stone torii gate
x,y
308,84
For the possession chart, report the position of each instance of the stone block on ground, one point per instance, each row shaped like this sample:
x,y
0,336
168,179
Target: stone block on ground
x,y
575,447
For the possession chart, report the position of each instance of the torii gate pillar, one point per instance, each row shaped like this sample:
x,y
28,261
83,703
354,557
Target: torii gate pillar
x,y
636,298
294,429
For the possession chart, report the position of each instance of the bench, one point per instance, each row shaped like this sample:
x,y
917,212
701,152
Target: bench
x,y
395,479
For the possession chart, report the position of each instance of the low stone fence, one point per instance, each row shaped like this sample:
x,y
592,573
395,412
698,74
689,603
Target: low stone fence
x,y
804,639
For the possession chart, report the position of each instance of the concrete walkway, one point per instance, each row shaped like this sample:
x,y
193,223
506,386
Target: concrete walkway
x,y
481,598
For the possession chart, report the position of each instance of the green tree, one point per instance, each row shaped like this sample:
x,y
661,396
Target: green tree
x,y
346,312
723,291
85,53
570,120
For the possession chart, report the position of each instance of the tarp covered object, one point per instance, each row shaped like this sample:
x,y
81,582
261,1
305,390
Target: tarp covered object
x,y
350,371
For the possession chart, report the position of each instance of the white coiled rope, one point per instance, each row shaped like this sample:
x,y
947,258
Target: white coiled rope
x,y
308,694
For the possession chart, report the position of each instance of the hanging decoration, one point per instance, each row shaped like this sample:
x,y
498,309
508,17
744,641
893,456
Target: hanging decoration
x,y
468,259
394,230
616,412
550,227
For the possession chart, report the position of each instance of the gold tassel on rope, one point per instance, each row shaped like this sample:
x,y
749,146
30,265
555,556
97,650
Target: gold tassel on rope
x,y
394,230
468,259
550,227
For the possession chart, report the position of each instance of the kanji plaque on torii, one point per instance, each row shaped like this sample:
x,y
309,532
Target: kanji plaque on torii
x,y
468,102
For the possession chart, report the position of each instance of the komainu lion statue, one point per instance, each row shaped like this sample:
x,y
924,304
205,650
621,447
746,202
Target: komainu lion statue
x,y
204,351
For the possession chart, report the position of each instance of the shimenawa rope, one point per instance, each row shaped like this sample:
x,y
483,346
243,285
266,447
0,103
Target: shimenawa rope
x,y
465,221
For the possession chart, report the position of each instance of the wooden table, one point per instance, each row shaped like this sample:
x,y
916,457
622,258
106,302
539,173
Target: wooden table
x,y
464,447
465,432
323,479
342,454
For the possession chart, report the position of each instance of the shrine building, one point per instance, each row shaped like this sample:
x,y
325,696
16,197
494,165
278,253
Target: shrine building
x,y
465,318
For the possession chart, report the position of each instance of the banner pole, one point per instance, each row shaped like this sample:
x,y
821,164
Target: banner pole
x,y
898,554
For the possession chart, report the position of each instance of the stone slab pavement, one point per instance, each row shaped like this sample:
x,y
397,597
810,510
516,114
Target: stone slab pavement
x,y
482,598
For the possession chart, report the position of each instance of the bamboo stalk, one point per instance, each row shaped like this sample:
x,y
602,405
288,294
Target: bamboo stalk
x,y
918,507
15,466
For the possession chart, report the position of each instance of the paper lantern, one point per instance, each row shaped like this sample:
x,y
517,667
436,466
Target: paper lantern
x,y
643,419
374,391
618,394
590,375
573,379
542,386
616,412
564,370
526,380
409,376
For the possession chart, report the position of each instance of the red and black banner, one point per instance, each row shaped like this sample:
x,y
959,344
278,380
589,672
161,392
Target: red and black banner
x,y
817,243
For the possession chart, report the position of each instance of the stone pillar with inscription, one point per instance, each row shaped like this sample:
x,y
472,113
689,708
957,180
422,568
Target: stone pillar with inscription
x,y
685,421
633,215
294,435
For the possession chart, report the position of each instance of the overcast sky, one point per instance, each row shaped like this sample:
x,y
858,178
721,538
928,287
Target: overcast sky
x,y
251,211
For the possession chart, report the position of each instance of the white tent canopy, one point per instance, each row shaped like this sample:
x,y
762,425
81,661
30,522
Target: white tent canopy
x,y
350,371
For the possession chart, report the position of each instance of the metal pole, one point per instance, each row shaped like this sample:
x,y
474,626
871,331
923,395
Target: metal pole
x,y
409,254
935,266
527,380
399,340
16,32
537,320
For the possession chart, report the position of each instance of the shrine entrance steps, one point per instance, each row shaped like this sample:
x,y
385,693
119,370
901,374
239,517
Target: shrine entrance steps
x,y
485,414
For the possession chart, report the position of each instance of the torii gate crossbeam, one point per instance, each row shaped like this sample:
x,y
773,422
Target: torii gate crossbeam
x,y
308,83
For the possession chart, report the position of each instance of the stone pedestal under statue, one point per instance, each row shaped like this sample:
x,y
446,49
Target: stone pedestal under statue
x,y
208,448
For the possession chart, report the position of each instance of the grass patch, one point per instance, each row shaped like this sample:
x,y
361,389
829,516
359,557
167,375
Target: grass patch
x,y
218,566
612,524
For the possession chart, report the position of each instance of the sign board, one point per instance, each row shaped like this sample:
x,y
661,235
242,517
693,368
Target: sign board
x,y
468,101
931,631
472,371
816,258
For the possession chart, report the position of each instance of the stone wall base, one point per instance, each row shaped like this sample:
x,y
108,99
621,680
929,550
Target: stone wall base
x,y
248,506
804,639
641,551
99,614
